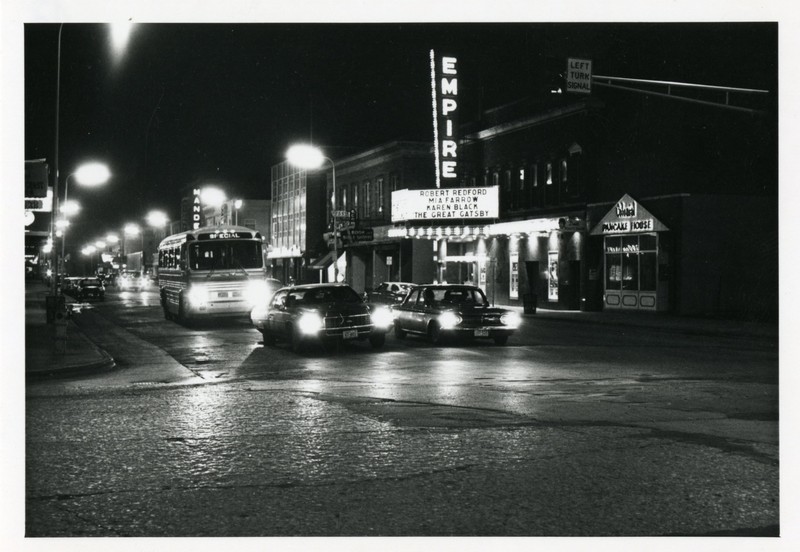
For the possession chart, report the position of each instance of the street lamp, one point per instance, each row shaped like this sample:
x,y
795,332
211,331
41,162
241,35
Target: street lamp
x,y
309,157
88,174
120,44
157,219
131,230
237,204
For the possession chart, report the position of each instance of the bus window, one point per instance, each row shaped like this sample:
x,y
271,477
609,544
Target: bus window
x,y
225,255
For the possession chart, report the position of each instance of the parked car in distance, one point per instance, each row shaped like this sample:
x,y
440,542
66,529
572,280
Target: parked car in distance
x,y
89,288
439,311
326,314
388,293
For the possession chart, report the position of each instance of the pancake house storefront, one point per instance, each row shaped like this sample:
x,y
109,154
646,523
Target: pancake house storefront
x,y
635,262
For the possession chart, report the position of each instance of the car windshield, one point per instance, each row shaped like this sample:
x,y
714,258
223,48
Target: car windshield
x,y
321,296
221,255
91,282
456,296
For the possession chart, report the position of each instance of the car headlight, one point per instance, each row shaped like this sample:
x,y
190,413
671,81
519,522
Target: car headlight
x,y
309,323
256,292
511,319
448,320
382,317
198,294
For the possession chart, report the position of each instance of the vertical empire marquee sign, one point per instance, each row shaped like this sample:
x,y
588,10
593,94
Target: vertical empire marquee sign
x,y
444,92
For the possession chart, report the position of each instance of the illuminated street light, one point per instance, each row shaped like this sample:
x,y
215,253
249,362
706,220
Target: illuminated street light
x,y
88,174
157,219
62,224
112,239
100,244
69,208
120,35
212,196
237,204
131,230
306,156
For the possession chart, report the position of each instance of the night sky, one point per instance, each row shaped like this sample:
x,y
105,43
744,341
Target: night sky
x,y
220,103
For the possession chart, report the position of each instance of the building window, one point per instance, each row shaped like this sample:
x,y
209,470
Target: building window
x,y
379,196
367,199
495,178
564,178
549,174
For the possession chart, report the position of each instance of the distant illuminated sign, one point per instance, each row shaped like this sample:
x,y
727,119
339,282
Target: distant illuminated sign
x,y
579,75
196,209
444,92
445,203
627,217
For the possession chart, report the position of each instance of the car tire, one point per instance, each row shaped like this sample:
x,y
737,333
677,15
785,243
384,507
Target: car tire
x,y
501,339
399,332
377,341
435,334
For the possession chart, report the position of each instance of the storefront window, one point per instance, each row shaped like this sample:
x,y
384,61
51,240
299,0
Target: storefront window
x,y
631,262
630,271
647,271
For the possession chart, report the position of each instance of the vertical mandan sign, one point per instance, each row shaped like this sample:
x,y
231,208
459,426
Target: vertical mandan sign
x,y
444,92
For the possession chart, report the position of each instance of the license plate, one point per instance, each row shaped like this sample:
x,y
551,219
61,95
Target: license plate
x,y
350,334
481,333
222,294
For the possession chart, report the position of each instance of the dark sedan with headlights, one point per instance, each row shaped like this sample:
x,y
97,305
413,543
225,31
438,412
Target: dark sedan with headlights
x,y
328,314
439,311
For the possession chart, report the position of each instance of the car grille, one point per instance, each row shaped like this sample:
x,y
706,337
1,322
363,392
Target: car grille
x,y
347,321
481,320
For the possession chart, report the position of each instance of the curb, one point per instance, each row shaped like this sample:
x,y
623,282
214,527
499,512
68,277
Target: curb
x,y
105,363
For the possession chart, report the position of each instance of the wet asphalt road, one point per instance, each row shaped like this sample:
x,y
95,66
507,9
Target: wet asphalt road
x,y
571,429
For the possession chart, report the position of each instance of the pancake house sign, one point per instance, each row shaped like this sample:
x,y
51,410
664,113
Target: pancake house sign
x,y
628,217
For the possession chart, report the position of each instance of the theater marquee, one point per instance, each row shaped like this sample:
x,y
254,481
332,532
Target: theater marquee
x,y
445,204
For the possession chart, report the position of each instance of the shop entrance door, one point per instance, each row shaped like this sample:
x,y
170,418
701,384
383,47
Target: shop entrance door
x,y
532,272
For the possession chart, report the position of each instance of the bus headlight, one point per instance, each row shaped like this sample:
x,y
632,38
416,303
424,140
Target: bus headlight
x,y
449,320
198,294
310,323
511,319
382,317
256,292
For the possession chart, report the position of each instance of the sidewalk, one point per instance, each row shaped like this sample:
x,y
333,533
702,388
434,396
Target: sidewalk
x,y
45,354
664,322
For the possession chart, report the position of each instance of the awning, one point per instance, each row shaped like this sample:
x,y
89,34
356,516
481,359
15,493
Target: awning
x,y
323,262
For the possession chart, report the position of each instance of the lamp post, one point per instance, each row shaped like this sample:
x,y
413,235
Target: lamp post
x,y
309,157
237,204
120,43
132,230
89,174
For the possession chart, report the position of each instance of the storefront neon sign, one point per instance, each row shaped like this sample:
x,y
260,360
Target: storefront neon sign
x,y
444,96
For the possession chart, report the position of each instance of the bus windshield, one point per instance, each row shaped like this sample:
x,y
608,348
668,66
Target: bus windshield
x,y
222,255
